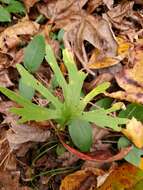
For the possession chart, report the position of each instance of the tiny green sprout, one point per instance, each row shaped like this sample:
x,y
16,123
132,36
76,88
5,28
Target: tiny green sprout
x,y
69,113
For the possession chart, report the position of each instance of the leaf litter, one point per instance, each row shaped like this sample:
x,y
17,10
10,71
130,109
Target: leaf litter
x,y
105,38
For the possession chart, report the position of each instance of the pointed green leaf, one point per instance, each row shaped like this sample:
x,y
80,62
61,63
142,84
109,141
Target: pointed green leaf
x,y
35,113
98,90
29,80
50,57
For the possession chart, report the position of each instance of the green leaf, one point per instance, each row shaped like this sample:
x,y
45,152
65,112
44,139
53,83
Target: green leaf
x,y
4,15
6,1
29,111
25,90
34,53
60,35
15,97
76,79
15,7
81,134
133,110
101,119
30,81
50,57
98,90
104,103
35,113
134,156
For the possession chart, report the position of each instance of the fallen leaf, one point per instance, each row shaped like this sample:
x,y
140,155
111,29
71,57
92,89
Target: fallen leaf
x,y
87,180
134,131
4,79
131,79
20,134
109,3
58,10
93,4
29,3
99,35
117,14
98,61
122,177
10,37
10,180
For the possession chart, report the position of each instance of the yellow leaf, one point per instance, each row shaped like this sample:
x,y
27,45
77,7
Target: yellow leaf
x,y
134,131
122,177
97,61
86,178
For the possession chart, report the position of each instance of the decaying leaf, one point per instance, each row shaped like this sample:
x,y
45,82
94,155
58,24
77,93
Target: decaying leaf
x,y
134,131
19,134
10,180
109,3
29,3
123,177
10,37
117,14
98,61
98,34
58,10
131,79
82,179
93,4
4,79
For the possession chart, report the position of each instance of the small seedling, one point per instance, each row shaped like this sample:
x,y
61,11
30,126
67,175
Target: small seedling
x,y
71,112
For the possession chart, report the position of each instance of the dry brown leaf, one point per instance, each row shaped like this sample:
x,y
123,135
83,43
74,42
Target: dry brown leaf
x,y
29,3
109,3
81,180
20,134
116,15
98,34
93,4
4,79
10,181
10,37
97,61
131,79
134,131
58,10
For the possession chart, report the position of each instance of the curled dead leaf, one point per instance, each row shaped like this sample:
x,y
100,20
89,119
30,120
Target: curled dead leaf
x,y
10,180
131,79
87,180
29,3
20,134
10,37
98,34
99,61
117,14
134,131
